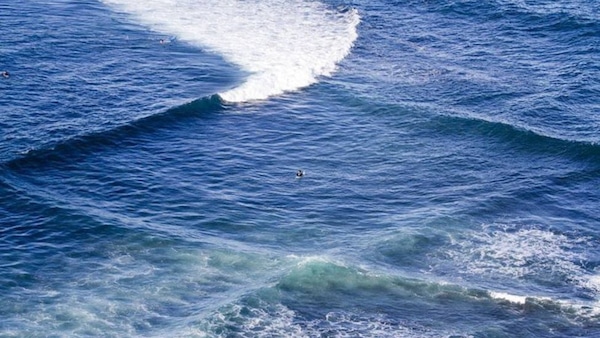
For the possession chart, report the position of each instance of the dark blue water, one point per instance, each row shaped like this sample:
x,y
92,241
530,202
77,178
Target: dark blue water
x,y
149,149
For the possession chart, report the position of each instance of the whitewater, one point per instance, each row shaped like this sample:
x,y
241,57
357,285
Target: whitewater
x,y
148,152
282,45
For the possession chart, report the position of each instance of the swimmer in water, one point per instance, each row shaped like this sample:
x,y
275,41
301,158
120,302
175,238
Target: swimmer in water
x,y
5,74
299,173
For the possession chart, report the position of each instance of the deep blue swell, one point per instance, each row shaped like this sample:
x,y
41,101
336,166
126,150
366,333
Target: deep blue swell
x,y
73,149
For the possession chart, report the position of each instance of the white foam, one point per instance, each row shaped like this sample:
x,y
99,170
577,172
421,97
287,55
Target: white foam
x,y
273,320
508,297
531,255
522,253
593,283
579,307
516,298
276,320
284,44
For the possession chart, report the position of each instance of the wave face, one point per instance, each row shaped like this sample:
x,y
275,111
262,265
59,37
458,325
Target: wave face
x,y
452,171
284,45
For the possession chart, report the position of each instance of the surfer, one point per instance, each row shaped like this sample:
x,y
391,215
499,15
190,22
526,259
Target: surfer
x,y
5,74
299,173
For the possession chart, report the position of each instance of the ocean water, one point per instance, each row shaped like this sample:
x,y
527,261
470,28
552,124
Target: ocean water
x,y
148,154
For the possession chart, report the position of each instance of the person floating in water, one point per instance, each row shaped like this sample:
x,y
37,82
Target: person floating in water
x,y
5,74
299,173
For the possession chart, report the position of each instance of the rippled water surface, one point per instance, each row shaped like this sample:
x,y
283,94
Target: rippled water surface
x,y
148,155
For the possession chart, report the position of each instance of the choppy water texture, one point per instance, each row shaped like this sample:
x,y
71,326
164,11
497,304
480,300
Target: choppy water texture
x,y
149,149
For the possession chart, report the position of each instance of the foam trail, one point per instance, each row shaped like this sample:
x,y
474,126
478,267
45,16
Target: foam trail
x,y
284,44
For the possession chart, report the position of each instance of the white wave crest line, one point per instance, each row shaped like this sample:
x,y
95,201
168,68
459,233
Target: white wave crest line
x,y
531,252
284,45
514,298
583,308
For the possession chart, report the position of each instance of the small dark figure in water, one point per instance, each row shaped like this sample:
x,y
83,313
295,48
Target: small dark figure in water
x,y
5,74
299,173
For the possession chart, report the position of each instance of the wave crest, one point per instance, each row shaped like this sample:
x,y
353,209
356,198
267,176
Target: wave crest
x,y
283,45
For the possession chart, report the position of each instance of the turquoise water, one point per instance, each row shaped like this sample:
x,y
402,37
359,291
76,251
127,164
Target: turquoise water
x,y
149,152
